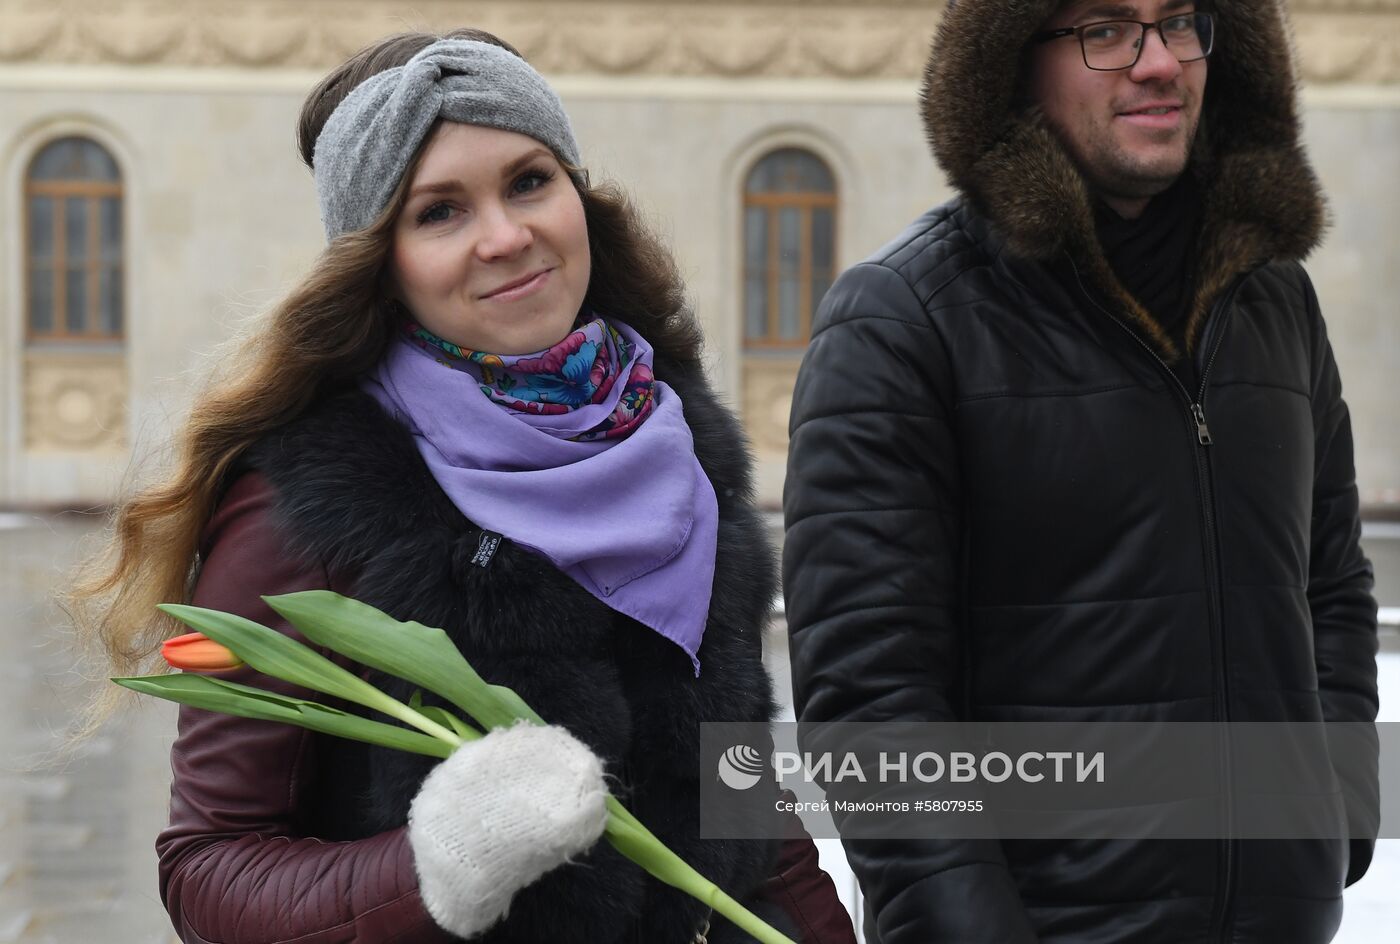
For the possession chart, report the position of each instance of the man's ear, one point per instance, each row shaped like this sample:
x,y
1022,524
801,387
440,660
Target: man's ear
x,y
1021,98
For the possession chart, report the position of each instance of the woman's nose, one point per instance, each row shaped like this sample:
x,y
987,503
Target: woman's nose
x,y
503,234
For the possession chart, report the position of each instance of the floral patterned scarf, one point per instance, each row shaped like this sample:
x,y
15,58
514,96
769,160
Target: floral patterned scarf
x,y
580,370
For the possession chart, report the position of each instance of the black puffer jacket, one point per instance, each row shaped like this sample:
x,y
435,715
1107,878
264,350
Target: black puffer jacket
x,y
1001,504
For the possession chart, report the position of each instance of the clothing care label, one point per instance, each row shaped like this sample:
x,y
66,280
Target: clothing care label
x,y
486,547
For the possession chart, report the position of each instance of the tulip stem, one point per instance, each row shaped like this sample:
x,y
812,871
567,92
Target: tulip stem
x,y
397,709
636,842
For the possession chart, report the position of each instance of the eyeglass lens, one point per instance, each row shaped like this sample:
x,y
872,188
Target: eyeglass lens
x,y
1117,44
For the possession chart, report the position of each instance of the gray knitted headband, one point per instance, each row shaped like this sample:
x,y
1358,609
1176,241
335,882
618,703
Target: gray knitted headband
x,y
370,138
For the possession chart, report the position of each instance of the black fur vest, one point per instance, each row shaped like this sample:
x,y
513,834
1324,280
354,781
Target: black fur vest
x,y
355,496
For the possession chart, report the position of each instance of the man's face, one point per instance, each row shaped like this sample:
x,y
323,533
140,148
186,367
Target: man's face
x,y
1130,131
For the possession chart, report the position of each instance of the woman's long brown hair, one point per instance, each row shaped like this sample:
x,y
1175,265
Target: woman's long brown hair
x,y
332,327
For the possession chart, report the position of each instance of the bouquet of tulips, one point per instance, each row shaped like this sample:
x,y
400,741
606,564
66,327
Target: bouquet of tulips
x,y
419,654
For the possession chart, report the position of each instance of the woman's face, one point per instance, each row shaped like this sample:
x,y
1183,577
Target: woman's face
x,y
490,250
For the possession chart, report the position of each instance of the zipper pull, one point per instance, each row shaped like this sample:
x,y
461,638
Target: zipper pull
x,y
1202,430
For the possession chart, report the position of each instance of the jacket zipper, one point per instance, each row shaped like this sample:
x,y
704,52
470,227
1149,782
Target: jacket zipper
x,y
1197,421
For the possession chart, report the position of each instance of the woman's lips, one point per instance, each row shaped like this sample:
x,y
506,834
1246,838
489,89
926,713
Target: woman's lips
x,y
519,289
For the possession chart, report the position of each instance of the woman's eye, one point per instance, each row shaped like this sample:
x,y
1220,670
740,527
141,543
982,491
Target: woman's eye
x,y
532,180
436,213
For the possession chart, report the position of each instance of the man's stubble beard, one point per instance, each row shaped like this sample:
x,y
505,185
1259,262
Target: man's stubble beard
x,y
1112,170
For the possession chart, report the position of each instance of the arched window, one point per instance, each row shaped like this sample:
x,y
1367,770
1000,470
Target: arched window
x,y
789,246
73,243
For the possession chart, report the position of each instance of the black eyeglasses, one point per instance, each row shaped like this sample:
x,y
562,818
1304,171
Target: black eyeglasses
x,y
1110,45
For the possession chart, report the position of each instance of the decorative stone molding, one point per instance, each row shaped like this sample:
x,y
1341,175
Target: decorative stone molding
x,y
1345,6
29,33
148,33
75,402
1340,40
1352,48
776,38
767,399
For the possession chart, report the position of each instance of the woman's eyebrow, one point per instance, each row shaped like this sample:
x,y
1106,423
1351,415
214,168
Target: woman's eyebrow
x,y
438,186
534,153
509,170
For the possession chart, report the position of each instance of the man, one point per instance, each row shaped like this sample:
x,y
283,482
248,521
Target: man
x,y
1073,447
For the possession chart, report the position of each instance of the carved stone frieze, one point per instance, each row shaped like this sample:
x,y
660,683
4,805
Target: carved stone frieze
x,y
75,402
1338,49
1340,41
725,44
134,32
767,399
28,30
1345,6
257,37
826,39
596,51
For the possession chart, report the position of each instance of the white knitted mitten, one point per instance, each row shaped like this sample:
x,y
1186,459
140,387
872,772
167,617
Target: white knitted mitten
x,y
498,814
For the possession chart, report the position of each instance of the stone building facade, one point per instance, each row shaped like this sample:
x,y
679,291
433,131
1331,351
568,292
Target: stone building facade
x,y
151,199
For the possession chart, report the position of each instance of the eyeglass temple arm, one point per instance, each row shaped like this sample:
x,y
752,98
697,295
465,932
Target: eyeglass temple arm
x,y
1044,36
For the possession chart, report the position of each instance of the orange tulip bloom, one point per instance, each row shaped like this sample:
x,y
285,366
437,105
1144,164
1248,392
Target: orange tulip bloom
x,y
196,652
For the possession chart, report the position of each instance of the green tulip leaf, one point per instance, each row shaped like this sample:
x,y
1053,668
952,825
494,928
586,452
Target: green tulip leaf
x,y
421,654
281,656
212,694
276,654
448,720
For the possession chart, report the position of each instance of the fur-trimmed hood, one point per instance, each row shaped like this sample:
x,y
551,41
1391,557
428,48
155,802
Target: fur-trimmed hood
x,y
1260,196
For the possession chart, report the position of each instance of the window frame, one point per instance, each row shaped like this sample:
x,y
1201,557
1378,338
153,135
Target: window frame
x,y
772,202
92,192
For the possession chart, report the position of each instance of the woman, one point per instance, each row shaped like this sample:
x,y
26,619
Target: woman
x,y
484,409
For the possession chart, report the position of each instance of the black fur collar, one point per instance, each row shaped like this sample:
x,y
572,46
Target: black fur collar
x,y
1261,198
353,494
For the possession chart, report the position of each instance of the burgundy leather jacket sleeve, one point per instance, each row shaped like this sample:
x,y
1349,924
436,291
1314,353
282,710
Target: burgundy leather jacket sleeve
x,y
233,869
804,891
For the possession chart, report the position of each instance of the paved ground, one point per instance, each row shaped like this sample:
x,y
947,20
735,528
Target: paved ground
x,y
76,860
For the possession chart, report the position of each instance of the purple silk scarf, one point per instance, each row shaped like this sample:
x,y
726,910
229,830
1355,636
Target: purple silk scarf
x,y
631,517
